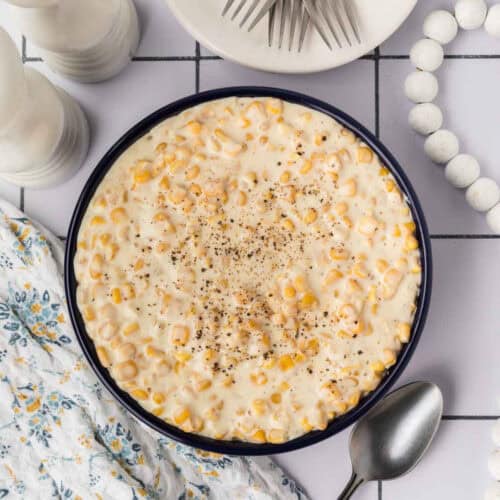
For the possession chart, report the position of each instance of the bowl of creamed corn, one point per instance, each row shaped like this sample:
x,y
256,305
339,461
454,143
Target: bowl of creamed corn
x,y
248,270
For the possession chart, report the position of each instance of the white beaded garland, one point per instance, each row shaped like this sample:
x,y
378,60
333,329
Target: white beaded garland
x,y
483,194
440,25
494,464
470,14
462,171
441,146
425,118
493,220
493,492
492,23
421,86
427,55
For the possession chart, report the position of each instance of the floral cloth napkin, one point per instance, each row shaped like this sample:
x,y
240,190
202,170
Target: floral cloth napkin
x,y
61,433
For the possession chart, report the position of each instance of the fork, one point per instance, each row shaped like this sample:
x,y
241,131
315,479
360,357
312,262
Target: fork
x,y
326,15
335,14
291,11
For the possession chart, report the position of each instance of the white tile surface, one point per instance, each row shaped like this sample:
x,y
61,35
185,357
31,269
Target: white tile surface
x,y
454,468
467,42
162,34
460,345
336,87
467,98
325,468
112,108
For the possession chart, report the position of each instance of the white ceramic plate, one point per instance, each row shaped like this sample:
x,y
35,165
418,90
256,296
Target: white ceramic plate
x,y
378,21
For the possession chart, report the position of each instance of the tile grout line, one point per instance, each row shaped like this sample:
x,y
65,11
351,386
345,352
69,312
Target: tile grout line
x,y
465,236
470,417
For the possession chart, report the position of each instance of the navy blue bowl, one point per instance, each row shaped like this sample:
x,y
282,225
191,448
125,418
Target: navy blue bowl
x,y
239,447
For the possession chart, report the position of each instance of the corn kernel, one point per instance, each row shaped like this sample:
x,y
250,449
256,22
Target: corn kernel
x,y
306,425
165,183
289,292
365,155
276,436
203,385
259,436
404,332
182,416
259,378
349,188
285,177
389,357
411,243
103,357
183,356
130,329
310,216
390,186
142,175
381,265
306,167
308,300
193,172
194,127
288,224
180,335
339,254
97,220
276,398
242,199
300,283
333,276
89,314
259,407
116,295
139,394
158,412
286,362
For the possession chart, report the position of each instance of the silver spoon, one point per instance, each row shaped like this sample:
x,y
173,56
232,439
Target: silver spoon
x,y
394,435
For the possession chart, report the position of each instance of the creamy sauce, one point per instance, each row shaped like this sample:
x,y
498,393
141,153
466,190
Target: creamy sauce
x,y
248,270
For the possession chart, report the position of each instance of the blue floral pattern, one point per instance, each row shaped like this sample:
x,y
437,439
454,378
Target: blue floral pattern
x,y
62,436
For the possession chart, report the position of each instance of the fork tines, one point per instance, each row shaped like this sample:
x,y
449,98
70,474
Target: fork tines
x,y
336,17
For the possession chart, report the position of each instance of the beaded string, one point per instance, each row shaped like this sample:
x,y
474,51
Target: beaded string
x,y
442,146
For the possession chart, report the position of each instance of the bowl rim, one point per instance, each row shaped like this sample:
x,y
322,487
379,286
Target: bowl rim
x,y
336,425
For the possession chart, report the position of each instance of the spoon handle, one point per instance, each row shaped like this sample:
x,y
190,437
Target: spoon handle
x,y
354,483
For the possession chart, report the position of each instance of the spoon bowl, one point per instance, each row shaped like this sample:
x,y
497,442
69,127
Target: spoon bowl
x,y
393,436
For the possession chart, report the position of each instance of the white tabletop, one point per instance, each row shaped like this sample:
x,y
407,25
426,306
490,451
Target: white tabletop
x,y
460,345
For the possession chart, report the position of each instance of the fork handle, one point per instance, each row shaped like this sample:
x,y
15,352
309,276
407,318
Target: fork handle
x,y
354,483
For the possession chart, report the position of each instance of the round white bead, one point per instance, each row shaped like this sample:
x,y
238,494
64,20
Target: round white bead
x,y
492,23
441,26
493,492
427,55
483,194
470,14
494,464
441,146
421,86
462,171
495,432
493,220
425,118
